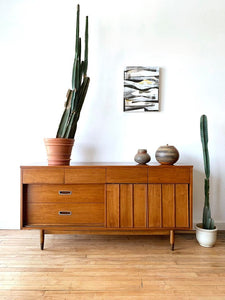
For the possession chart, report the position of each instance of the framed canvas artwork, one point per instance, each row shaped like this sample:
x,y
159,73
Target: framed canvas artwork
x,y
141,89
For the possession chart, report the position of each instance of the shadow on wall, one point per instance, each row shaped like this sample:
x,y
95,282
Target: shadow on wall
x,y
198,195
216,193
216,189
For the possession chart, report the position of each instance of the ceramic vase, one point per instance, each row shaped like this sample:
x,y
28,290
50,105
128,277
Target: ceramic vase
x,y
206,237
167,155
142,157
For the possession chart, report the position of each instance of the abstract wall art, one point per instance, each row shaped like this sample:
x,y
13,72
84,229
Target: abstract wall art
x,y
141,89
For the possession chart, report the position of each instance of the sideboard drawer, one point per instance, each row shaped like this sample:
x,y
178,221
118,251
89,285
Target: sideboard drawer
x,y
127,175
87,214
168,174
85,175
79,193
48,175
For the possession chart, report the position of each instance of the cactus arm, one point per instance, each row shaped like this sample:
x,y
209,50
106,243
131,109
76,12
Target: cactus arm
x,y
65,116
80,83
76,68
73,99
76,114
83,92
74,73
82,65
77,30
204,139
207,221
206,211
82,95
77,42
206,189
70,123
212,225
86,48
78,77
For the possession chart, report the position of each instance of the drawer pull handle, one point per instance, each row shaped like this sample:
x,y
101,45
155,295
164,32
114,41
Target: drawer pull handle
x,y
65,213
65,193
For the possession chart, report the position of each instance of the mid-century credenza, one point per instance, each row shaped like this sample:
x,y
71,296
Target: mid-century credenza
x,y
107,198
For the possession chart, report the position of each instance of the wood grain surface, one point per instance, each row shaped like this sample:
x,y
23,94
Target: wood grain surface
x,y
109,267
120,198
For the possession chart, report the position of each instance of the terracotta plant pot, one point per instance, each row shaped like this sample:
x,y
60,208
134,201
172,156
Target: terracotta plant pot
x,y
58,151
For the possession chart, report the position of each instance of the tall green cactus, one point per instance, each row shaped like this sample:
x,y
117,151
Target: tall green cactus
x,y
80,82
207,221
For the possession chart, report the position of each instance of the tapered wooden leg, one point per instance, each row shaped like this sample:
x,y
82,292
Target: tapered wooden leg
x,y
172,239
42,239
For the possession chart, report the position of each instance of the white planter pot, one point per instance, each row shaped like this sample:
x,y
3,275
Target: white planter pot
x,y
206,237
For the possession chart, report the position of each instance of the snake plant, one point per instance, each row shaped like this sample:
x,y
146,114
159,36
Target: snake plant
x,y
80,82
207,221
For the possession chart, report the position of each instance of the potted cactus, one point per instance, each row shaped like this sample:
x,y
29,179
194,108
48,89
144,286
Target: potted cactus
x,y
206,231
59,148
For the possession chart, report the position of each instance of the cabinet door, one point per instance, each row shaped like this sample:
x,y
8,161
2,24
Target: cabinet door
x,y
126,205
182,205
140,205
155,205
112,209
168,206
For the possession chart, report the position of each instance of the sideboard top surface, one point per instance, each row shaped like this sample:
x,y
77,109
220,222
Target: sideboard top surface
x,y
106,164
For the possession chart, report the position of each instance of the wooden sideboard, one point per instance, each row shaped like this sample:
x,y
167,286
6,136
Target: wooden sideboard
x,y
106,199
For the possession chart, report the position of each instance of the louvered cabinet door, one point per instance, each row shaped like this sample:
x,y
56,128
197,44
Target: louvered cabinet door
x,y
182,203
113,205
155,205
126,205
168,206
126,214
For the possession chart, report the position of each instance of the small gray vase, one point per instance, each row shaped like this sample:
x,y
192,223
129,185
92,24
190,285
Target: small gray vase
x,y
142,157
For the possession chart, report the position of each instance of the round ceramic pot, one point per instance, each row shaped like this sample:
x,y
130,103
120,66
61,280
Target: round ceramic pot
x,y
142,157
206,237
167,155
58,151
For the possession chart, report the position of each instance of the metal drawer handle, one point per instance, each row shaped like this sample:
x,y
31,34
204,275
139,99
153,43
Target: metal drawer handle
x,y
65,193
65,213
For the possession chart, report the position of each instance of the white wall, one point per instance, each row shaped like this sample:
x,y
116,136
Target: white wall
x,y
186,39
